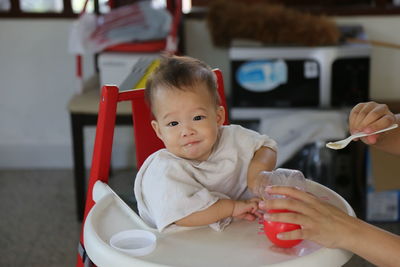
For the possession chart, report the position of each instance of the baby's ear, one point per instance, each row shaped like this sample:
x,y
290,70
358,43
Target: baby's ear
x,y
220,115
156,128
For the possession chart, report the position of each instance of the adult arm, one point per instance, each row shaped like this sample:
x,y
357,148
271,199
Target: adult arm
x,y
370,117
328,226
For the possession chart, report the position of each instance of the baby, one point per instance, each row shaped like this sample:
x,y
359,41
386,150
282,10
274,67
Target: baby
x,y
207,171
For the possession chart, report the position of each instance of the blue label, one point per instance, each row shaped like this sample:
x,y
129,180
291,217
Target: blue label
x,y
262,76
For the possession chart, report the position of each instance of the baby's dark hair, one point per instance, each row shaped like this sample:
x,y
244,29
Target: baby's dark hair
x,y
181,73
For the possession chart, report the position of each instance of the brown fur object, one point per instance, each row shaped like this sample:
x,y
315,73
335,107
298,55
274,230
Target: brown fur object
x,y
269,24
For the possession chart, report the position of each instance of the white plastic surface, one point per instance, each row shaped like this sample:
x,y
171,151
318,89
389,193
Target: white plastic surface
x,y
100,190
134,242
238,245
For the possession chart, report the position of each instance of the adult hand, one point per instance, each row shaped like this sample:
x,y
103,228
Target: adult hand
x,y
320,221
370,117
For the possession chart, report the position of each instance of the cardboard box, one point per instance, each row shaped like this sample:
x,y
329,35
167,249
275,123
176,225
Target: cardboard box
x,y
114,68
385,170
383,187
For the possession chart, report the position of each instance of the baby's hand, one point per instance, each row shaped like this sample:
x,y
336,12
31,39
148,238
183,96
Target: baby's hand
x,y
246,209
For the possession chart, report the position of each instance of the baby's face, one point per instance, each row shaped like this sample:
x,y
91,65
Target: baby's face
x,y
187,122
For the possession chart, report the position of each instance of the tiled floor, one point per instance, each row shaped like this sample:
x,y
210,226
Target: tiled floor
x,y
38,225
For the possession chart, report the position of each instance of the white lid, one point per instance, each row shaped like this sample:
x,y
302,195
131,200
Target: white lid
x,y
134,242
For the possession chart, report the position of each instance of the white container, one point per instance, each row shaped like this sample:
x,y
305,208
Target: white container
x,y
115,67
134,242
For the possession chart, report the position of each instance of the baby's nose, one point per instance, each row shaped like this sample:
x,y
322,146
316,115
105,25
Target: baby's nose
x,y
187,130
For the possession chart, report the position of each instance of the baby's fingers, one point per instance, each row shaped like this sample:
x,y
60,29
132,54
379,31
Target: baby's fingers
x,y
247,217
258,214
254,200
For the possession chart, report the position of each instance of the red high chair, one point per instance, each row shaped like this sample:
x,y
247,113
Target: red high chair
x,y
146,141
238,245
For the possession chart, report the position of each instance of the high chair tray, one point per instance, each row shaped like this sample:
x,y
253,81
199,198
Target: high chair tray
x,y
238,245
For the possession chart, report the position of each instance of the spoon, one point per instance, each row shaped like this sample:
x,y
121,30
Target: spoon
x,y
343,143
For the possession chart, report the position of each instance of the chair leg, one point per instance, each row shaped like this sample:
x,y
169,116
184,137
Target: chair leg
x,y
79,163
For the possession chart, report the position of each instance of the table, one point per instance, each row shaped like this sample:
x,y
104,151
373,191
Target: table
x,y
83,109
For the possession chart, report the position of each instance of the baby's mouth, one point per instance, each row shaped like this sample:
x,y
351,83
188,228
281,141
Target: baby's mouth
x,y
189,144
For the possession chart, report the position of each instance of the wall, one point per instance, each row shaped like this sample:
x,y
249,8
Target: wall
x,y
37,80
385,81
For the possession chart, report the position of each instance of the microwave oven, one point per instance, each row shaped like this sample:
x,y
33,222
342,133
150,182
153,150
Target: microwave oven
x,y
282,77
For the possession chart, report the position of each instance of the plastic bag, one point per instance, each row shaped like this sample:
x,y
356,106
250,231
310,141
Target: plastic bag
x,y
282,177
135,22
79,33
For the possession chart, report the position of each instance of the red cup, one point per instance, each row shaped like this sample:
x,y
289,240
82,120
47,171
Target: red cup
x,y
271,229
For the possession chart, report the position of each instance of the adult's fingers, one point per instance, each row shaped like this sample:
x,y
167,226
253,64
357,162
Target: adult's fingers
x,y
288,217
357,114
291,235
379,118
370,117
298,201
291,192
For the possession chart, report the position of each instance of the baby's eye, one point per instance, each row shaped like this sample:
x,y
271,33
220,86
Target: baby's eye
x,y
198,118
172,123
